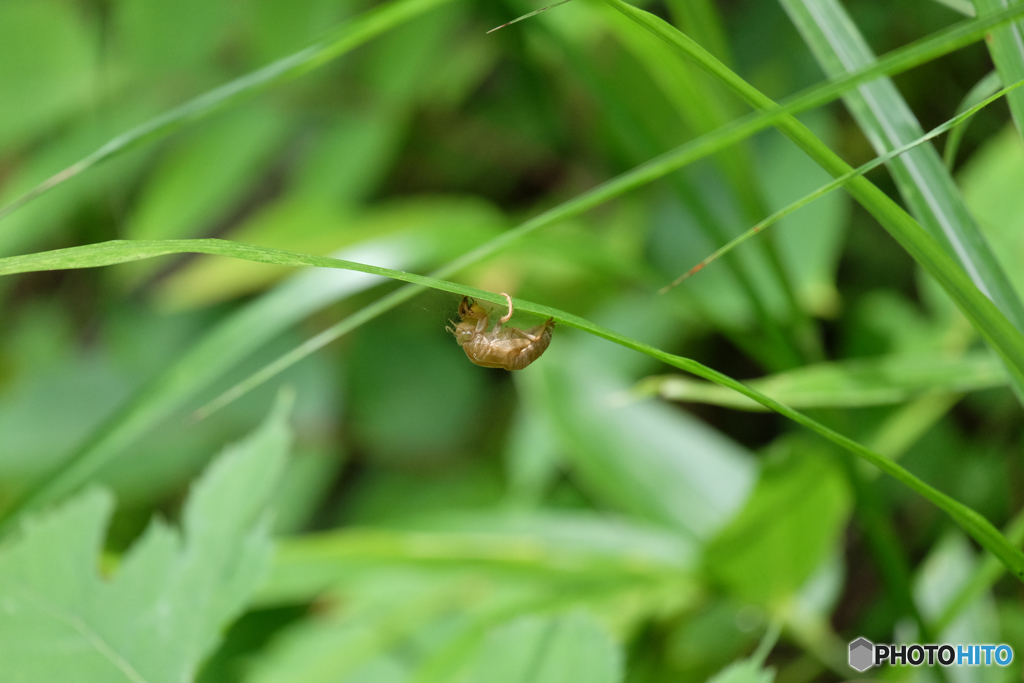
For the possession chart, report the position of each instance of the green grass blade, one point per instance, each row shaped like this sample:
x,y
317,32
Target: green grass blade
x,y
528,15
920,175
663,165
378,20
1006,45
956,123
350,36
702,109
700,18
635,134
907,424
983,89
990,322
73,476
905,58
845,384
698,149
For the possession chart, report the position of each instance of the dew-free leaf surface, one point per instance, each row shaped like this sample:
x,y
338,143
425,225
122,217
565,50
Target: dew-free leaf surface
x,y
167,602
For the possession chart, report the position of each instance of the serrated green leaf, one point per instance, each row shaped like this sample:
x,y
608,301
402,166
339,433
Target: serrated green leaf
x,y
165,606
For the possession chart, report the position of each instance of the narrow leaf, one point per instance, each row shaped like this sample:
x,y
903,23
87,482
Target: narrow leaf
x,y
899,60
348,37
558,547
956,124
887,121
846,384
118,252
1006,45
993,325
981,91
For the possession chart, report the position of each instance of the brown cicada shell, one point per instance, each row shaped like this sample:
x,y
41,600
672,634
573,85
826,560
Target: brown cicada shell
x,y
503,347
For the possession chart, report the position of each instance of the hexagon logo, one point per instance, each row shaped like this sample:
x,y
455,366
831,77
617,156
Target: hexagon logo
x,y
862,654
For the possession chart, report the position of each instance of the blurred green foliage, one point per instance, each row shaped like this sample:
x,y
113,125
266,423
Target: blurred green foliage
x,y
437,521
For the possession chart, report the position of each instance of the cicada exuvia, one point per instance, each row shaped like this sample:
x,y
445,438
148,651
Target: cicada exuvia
x,y
510,348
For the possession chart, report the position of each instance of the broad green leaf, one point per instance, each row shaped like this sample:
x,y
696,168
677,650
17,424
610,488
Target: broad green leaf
x,y
811,239
414,401
947,568
1006,45
532,456
157,38
744,671
305,485
201,176
46,70
45,413
279,27
61,394
349,157
987,572
391,489
990,181
846,384
644,457
173,592
569,648
887,121
792,521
